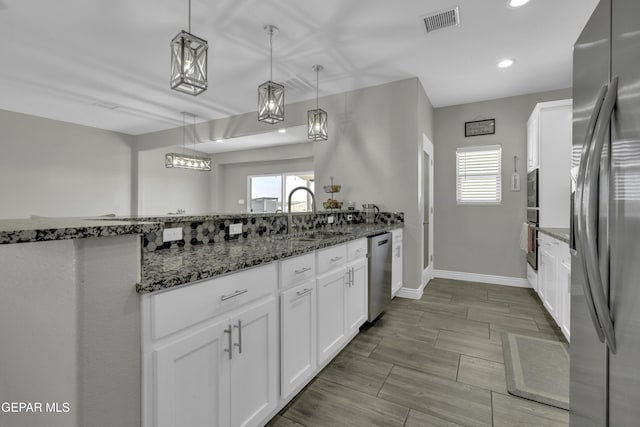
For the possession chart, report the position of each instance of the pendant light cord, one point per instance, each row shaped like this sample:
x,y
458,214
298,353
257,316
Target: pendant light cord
x,y
317,80
183,126
189,16
271,54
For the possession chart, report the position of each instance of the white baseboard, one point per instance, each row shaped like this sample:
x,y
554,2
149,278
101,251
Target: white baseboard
x,y
409,293
483,278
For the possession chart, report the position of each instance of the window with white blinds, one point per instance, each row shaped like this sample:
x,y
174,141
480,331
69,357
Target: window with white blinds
x,y
479,174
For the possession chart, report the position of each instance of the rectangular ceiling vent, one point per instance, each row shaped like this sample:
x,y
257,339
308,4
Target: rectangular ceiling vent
x,y
443,19
297,84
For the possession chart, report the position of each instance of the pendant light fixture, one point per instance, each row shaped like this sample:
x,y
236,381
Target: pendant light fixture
x,y
317,118
175,160
270,94
189,62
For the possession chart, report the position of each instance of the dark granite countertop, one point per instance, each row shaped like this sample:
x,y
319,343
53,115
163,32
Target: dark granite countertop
x,y
167,268
561,234
45,229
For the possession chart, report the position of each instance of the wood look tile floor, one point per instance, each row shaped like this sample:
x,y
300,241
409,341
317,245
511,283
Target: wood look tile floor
x,y
436,361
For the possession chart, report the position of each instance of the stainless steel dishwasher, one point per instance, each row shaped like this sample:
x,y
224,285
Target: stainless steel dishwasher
x,y
379,274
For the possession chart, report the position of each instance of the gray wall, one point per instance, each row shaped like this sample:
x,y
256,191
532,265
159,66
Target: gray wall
x,y
54,168
374,146
483,239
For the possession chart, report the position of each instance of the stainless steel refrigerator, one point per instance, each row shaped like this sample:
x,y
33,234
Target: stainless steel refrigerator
x,y
605,268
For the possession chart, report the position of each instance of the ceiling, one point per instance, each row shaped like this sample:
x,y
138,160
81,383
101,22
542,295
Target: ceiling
x,y
105,64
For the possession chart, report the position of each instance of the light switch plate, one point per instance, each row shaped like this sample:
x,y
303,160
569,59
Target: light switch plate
x,y
330,219
172,234
235,229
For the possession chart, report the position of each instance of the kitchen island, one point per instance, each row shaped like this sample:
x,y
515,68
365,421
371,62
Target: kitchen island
x,y
70,312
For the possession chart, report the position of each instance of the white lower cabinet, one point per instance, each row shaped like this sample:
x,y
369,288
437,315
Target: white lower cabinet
x,y
216,353
554,280
331,312
192,379
356,295
254,367
221,369
564,294
297,336
396,262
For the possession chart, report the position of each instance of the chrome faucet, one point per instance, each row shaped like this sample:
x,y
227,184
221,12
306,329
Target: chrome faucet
x,y
313,200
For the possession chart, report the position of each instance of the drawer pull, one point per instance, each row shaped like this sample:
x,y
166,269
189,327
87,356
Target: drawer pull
x,y
228,331
304,292
302,270
334,259
233,295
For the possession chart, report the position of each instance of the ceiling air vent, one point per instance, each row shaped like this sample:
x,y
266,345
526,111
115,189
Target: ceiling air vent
x,y
443,19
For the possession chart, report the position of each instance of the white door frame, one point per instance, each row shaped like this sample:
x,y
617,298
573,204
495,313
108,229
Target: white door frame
x,y
427,147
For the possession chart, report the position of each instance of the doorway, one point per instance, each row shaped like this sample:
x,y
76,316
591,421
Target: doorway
x,y
426,209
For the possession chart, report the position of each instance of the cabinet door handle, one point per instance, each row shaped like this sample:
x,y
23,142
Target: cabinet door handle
x,y
305,291
334,259
239,343
228,331
302,270
233,295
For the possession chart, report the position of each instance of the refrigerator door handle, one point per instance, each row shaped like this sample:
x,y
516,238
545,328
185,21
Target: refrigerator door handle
x,y
578,206
590,199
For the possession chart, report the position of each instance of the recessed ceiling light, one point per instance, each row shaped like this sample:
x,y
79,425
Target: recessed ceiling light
x,y
219,140
505,63
517,3
282,130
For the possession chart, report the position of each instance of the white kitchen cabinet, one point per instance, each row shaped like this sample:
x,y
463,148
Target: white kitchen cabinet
x,y
532,141
220,369
192,379
564,292
331,312
396,262
357,286
547,273
297,336
554,280
254,367
549,132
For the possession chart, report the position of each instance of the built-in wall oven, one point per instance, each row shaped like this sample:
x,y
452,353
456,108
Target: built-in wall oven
x,y
533,218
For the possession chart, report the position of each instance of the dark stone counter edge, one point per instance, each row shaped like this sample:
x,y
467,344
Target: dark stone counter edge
x,y
38,234
187,278
561,234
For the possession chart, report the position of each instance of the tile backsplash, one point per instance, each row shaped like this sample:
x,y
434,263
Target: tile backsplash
x,y
209,229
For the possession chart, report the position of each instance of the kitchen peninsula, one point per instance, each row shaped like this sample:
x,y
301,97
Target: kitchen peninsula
x,y
72,288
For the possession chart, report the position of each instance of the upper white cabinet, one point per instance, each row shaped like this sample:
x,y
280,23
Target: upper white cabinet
x,y
549,150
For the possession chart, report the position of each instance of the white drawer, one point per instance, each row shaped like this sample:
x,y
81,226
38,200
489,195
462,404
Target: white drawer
x,y
180,308
296,270
396,235
356,249
332,257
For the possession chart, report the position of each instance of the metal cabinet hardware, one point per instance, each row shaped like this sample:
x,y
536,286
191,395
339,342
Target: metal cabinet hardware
x,y
228,331
334,259
239,343
233,295
302,270
303,292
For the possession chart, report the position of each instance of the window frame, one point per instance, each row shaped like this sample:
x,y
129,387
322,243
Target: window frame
x,y
460,175
283,178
